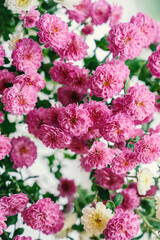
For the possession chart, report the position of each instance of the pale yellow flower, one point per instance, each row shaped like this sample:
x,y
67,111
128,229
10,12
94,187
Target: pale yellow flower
x,y
16,6
144,181
13,39
95,219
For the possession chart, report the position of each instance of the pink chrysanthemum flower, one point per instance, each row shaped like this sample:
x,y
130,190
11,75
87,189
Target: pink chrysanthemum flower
x,y
14,204
156,39
34,79
53,31
124,162
87,30
18,237
106,178
117,128
19,99
23,152
35,119
75,49
45,216
5,146
108,79
98,111
99,156
146,26
27,55
116,13
66,95
6,78
2,55
74,120
100,12
1,117
30,18
80,13
66,187
157,103
125,40
79,145
123,225
3,225
130,199
54,137
148,149
154,63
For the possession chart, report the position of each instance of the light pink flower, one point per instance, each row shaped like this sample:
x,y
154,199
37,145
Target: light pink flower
x,y
148,149
117,128
27,55
125,40
108,79
34,79
146,26
154,63
74,120
2,223
53,31
99,156
66,95
2,55
75,49
45,216
156,39
100,12
106,178
5,146
116,13
19,99
23,152
124,162
123,225
6,78
54,137
1,117
30,18
130,199
22,238
87,30
66,187
80,13
14,204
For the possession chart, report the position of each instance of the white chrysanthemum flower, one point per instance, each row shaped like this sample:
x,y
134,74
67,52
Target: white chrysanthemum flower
x,y
68,3
157,198
13,39
145,181
16,6
95,219
70,219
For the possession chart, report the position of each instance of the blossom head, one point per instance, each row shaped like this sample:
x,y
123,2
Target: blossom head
x,y
14,204
23,152
95,219
27,55
130,199
116,13
44,215
2,55
123,225
30,18
13,38
18,237
87,30
67,187
144,181
5,146
16,6
154,63
6,78
125,40
3,225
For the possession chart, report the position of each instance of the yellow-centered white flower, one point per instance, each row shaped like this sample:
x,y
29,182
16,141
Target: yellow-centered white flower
x,y
13,39
95,219
144,181
16,6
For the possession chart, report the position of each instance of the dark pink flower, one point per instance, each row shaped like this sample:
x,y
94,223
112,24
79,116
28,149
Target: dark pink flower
x,y
5,146
30,18
45,216
3,225
100,12
79,145
87,30
6,78
2,55
130,199
154,63
23,152
1,117
22,238
66,187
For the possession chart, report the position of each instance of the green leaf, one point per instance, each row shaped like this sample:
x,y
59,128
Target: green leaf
x,y
149,206
110,205
51,160
102,43
11,220
58,173
79,227
126,85
18,231
7,127
118,199
154,222
90,198
51,196
103,193
66,155
43,103
91,63
153,47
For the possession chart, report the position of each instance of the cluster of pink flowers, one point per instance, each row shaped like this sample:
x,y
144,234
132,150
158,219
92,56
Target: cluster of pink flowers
x,y
154,63
45,216
23,152
14,204
2,55
3,225
27,55
30,18
5,146
109,78
123,225
22,238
